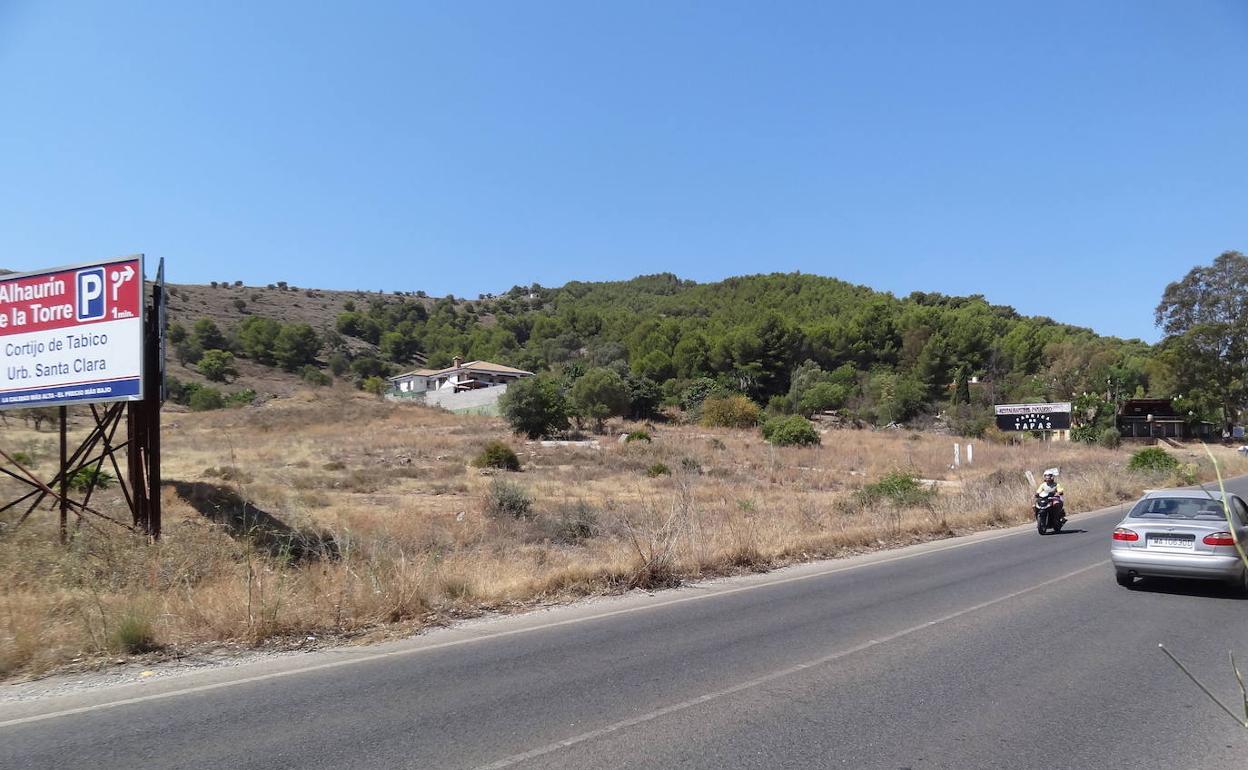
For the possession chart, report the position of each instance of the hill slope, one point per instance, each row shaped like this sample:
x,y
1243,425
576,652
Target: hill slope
x,y
748,333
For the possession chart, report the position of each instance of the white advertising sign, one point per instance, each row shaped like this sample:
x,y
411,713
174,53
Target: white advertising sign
x,y
72,335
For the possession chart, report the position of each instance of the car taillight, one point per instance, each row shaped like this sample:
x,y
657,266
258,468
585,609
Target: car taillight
x,y
1125,534
1220,538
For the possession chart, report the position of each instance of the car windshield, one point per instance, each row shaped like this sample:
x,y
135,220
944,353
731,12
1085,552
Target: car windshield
x,y
1178,508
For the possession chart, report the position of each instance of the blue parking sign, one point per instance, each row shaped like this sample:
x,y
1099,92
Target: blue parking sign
x,y
91,294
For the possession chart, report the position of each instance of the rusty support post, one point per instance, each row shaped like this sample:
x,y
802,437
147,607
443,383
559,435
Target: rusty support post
x,y
153,465
153,395
143,429
134,464
64,474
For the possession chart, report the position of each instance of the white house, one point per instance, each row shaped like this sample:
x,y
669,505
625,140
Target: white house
x,y
456,378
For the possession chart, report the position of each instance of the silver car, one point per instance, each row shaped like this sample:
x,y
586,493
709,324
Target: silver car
x,y
1182,533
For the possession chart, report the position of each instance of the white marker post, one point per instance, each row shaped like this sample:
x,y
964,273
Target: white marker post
x,y
970,454
957,455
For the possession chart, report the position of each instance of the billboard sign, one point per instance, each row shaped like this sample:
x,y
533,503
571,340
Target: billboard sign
x,y
1033,416
72,335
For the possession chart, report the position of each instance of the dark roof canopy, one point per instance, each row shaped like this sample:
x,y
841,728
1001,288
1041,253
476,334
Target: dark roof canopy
x,y
1142,407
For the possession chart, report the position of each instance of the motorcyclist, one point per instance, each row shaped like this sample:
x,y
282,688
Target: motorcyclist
x,y
1050,487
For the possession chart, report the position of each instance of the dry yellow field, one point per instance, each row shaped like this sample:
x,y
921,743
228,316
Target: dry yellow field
x,y
335,515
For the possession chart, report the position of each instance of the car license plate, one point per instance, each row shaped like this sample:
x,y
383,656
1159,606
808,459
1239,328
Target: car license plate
x,y
1162,541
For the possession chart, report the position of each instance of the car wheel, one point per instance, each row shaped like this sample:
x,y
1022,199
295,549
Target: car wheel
x,y
1125,579
1240,584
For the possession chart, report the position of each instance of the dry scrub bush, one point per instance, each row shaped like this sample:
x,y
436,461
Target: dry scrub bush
x,y
507,500
735,411
497,455
569,523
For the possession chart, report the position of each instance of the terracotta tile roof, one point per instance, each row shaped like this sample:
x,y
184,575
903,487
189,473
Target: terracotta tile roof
x,y
478,366
486,366
414,373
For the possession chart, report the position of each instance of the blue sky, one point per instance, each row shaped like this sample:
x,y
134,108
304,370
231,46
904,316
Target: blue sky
x,y
1067,158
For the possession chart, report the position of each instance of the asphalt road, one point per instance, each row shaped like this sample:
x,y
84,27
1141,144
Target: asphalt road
x,y
1003,649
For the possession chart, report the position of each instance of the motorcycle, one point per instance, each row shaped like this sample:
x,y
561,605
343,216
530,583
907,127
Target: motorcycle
x,y
1050,513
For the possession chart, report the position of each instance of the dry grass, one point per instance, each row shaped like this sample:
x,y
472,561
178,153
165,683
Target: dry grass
x,y
352,518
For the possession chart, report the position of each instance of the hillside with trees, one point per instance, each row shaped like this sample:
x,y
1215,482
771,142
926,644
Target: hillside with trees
x,y
792,343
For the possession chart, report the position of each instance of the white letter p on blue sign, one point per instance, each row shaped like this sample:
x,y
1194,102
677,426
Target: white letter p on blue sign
x,y
91,294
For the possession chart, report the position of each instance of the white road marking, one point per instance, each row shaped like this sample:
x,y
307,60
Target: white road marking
x,y
501,634
550,748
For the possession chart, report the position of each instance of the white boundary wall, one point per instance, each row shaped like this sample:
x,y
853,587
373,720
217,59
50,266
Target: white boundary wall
x,y
485,399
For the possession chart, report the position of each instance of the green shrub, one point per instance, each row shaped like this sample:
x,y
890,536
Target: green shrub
x,y
734,411
179,392
374,385
188,352
1186,474
134,634
658,469
205,399
823,397
1110,438
778,406
365,367
897,398
507,500
294,346
25,458
241,398
637,435
691,397
1153,459
84,478
1086,434
339,364
535,406
965,420
598,394
995,435
497,455
217,365
899,487
314,376
814,390
206,335
690,465
643,396
794,430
